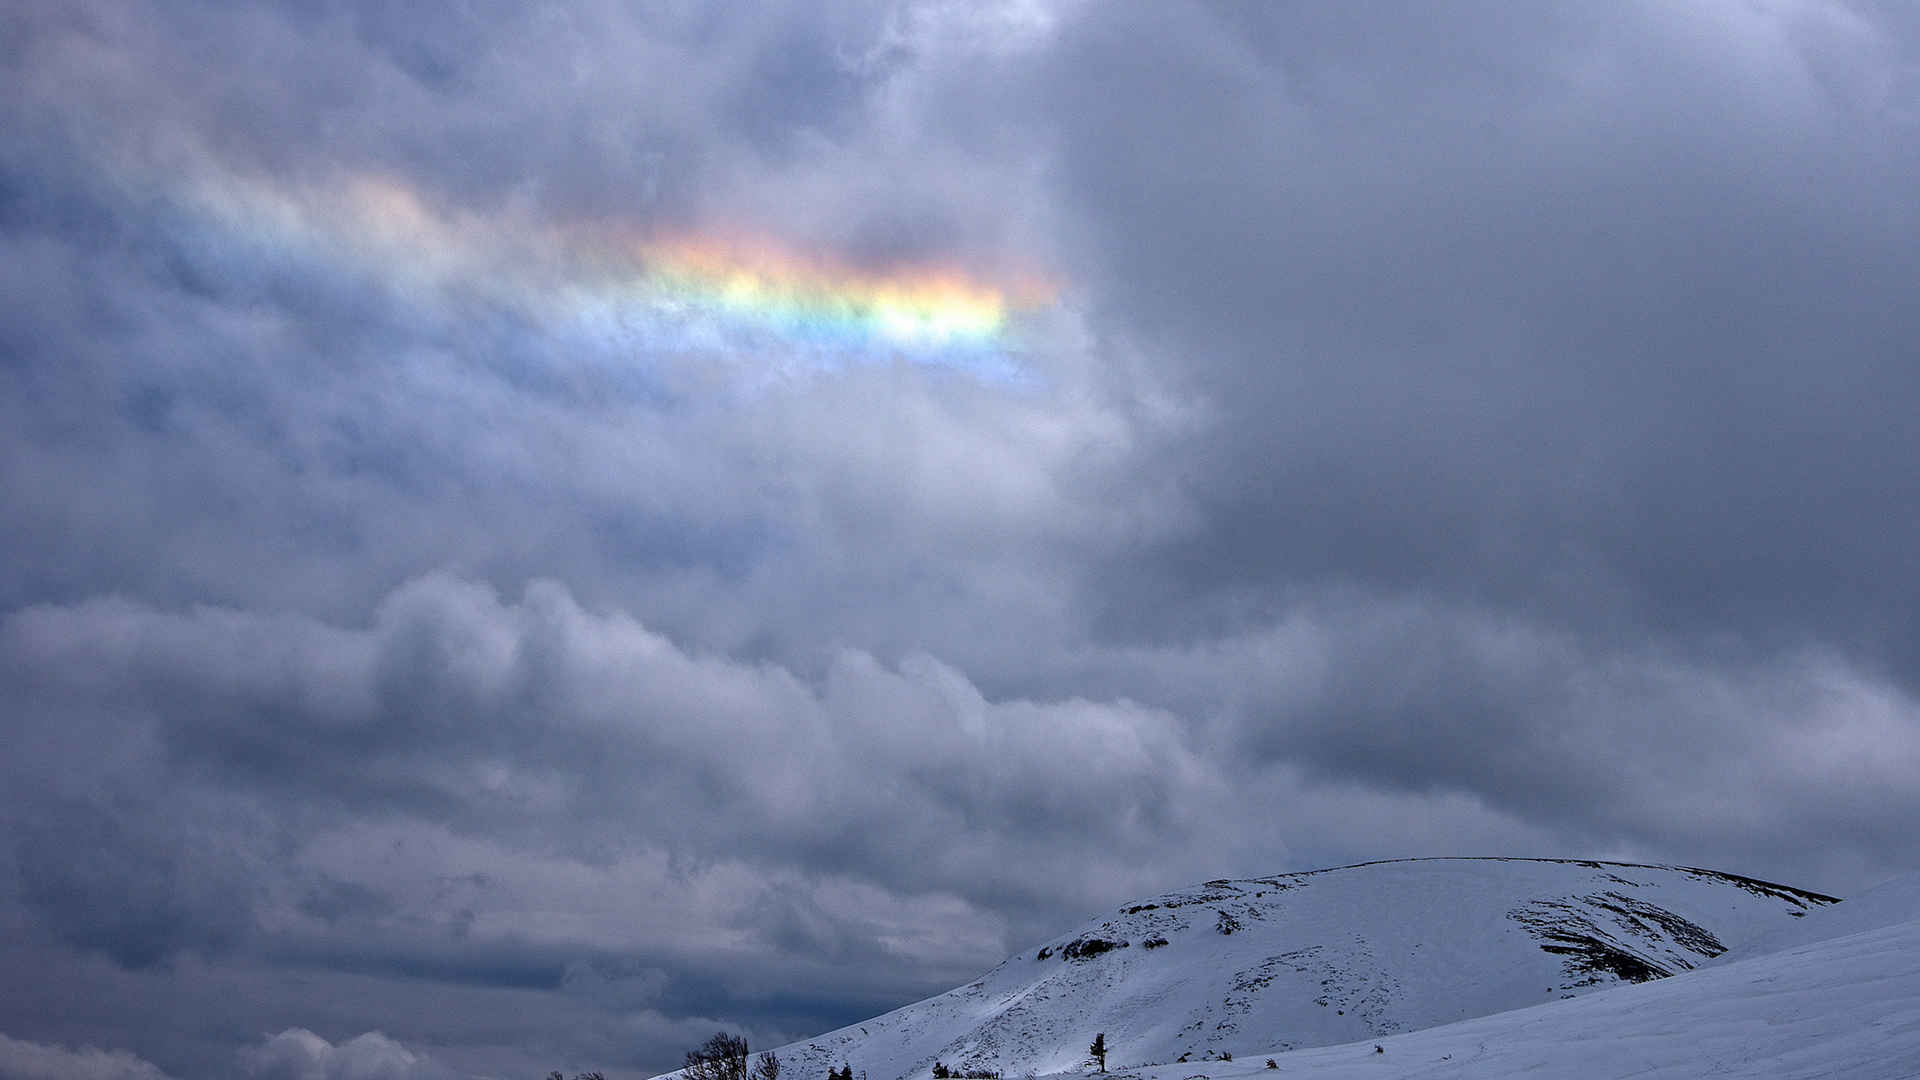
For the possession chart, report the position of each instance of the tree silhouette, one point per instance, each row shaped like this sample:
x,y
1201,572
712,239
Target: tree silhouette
x,y
723,1057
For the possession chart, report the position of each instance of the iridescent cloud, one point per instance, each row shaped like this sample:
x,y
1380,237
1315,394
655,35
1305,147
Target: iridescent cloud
x,y
659,290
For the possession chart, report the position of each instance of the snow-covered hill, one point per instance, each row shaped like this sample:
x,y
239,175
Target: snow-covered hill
x,y
1843,1007
1262,966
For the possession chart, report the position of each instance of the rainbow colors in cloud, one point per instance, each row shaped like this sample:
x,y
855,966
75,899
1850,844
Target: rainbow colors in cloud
x,y
805,297
642,291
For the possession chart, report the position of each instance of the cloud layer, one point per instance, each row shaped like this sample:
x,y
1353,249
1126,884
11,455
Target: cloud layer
x,y
1438,433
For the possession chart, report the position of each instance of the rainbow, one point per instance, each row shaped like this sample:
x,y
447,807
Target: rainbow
x,y
646,291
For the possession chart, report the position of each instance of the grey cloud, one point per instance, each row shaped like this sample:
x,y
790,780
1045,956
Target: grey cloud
x,y
332,901
1606,327
194,1018
543,726
424,777
1647,745
438,774
457,706
119,879
23,1060
1652,747
298,1054
1474,430
369,436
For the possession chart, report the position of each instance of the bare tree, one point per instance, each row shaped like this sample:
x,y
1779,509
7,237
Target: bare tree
x,y
723,1057
766,1067
1099,1050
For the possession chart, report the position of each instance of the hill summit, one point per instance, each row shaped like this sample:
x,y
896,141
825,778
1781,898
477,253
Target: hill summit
x,y
1316,959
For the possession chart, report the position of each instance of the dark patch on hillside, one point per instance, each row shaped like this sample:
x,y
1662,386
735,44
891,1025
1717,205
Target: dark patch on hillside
x,y
1757,887
1087,948
1568,928
1591,956
1637,913
1564,931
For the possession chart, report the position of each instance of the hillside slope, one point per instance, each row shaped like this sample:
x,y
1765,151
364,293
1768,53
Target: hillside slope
x,y
1833,1007
1319,958
1886,904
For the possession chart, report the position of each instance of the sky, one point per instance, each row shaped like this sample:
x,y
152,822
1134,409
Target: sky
x,y
536,532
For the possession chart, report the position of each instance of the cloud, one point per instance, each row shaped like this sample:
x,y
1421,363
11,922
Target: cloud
x,y
433,777
476,792
299,1054
112,877
1561,314
473,712
1465,431
22,1060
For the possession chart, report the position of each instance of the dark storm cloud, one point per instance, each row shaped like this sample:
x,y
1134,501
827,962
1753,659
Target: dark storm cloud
x,y
1558,308
1462,431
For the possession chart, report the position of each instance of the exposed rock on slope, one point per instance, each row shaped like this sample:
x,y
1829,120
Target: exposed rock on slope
x,y
1315,959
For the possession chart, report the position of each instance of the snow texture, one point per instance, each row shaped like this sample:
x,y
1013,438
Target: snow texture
x,y
1353,955
1846,1008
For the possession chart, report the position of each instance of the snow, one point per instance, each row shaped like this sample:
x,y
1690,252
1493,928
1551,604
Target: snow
x,y
1347,958
1848,1007
1887,904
